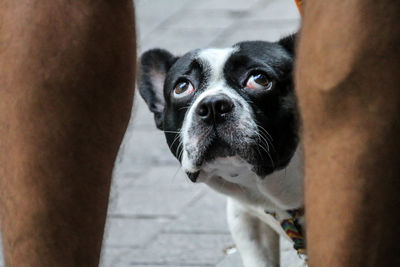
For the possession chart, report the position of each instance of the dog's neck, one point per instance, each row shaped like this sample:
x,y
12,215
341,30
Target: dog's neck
x,y
279,191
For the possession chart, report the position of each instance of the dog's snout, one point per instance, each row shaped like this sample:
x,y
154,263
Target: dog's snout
x,y
212,108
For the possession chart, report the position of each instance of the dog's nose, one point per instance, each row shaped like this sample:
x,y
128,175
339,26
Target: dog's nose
x,y
213,108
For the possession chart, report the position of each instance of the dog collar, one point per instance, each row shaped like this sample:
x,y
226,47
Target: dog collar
x,y
290,225
294,230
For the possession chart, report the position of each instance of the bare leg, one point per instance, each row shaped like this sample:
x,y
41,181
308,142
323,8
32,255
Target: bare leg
x,y
66,89
348,86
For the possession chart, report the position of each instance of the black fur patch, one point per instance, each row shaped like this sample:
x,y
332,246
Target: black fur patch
x,y
155,64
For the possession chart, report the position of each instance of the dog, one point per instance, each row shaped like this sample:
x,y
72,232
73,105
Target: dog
x,y
230,117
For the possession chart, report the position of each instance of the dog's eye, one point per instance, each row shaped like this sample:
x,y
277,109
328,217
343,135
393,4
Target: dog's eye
x,y
258,81
183,88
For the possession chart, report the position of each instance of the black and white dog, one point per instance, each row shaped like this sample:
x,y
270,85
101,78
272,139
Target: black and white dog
x,y
230,117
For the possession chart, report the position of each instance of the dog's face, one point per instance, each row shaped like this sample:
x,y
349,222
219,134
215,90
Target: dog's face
x,y
218,103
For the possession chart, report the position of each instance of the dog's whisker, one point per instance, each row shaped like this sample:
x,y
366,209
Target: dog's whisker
x,y
176,138
176,173
265,131
179,147
267,136
259,152
180,153
269,142
263,140
272,161
268,154
264,148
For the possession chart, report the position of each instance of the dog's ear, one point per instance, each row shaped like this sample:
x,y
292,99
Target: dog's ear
x,y
289,43
154,65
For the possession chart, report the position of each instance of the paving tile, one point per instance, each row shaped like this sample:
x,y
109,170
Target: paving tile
x,y
117,186
182,249
144,201
206,215
112,257
180,265
201,19
232,260
151,265
142,118
117,257
2,264
146,148
275,10
150,14
130,232
181,41
233,5
256,30
166,177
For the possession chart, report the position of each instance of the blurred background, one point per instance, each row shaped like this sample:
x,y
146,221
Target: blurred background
x,y
157,217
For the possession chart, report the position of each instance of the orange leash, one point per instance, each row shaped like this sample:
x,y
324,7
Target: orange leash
x,y
299,5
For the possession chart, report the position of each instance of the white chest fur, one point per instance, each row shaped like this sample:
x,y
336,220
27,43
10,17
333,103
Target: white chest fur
x,y
249,197
275,193
281,190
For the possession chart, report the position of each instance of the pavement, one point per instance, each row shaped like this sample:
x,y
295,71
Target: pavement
x,y
157,217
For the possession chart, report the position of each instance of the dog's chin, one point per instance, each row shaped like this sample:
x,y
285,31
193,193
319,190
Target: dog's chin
x,y
220,149
213,148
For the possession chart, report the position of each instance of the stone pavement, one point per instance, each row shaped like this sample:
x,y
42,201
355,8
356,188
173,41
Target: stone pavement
x,y
156,216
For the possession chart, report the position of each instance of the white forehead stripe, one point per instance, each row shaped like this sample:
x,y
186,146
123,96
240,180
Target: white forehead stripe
x,y
216,59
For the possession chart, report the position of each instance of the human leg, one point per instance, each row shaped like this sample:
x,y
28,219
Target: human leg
x,y
66,89
347,82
